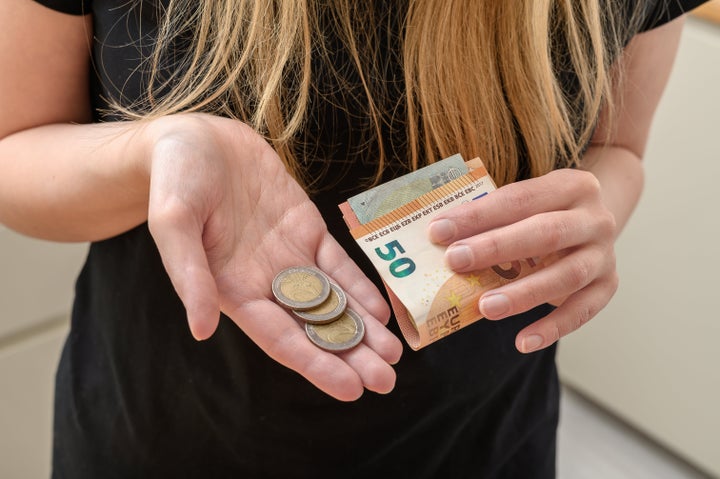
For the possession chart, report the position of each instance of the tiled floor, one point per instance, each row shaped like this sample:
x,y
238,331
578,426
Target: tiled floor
x,y
595,445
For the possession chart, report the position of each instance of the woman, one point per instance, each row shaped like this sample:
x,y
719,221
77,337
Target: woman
x,y
202,147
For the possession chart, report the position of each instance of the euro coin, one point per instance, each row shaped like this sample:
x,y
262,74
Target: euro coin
x,y
301,288
341,335
331,309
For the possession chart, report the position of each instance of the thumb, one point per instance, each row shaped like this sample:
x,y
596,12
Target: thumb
x,y
185,260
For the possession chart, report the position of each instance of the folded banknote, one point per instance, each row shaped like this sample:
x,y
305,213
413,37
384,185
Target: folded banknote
x,y
429,300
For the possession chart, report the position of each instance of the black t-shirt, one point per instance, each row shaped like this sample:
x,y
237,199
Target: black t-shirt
x,y
136,396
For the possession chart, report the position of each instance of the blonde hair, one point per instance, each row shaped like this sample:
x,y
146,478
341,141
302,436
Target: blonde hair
x,y
481,76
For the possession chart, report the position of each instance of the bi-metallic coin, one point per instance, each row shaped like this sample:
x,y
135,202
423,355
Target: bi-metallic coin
x,y
329,311
341,335
301,288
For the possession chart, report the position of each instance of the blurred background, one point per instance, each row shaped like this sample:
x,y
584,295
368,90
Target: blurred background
x,y
641,381
651,358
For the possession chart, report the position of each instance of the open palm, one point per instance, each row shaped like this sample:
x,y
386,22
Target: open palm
x,y
227,217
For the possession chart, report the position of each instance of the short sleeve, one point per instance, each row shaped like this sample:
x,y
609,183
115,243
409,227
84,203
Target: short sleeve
x,y
660,12
73,7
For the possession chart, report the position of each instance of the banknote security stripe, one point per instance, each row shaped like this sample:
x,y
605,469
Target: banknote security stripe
x,y
459,189
385,197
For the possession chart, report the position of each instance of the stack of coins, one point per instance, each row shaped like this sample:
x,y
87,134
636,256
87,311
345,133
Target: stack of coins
x,y
322,305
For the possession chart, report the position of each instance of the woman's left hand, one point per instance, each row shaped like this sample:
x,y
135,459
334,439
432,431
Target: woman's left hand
x,y
561,212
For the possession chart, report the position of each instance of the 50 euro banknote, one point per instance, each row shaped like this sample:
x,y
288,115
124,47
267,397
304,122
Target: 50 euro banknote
x,y
429,300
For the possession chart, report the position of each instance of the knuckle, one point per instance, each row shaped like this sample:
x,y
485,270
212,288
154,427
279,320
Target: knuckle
x,y
314,366
583,184
582,315
588,182
610,284
376,375
607,224
557,331
467,219
602,222
534,297
278,347
575,321
380,309
608,271
286,349
580,273
555,233
171,213
492,246
385,344
519,197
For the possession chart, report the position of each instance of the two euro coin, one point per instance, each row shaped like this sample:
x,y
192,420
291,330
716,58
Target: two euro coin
x,y
322,305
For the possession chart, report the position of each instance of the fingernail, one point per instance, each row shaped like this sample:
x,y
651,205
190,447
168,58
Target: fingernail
x,y
531,343
441,231
494,305
458,257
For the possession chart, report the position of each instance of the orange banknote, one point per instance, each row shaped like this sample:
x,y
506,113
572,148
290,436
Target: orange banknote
x,y
429,300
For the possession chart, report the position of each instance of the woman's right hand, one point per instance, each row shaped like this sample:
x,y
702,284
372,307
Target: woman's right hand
x,y
227,217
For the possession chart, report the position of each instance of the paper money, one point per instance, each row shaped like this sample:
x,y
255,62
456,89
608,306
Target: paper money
x,y
384,198
430,301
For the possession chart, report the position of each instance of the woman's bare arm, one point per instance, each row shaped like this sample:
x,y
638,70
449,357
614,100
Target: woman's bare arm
x,y
60,177
614,157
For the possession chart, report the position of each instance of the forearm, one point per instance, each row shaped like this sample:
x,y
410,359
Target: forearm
x,y
68,182
621,177
646,65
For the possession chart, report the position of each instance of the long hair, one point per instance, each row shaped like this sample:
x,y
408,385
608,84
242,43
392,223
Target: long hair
x,y
482,77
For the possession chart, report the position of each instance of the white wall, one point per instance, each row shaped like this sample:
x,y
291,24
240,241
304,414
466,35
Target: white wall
x,y
653,356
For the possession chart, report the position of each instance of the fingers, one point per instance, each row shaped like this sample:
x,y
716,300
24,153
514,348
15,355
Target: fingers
x,y
363,297
180,245
559,215
343,376
376,376
577,310
539,235
334,261
375,373
380,347
587,279
564,277
535,236
558,190
285,341
377,337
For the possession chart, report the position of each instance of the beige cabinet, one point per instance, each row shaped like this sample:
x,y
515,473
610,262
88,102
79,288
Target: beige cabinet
x,y
27,373
36,280
652,355
36,283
